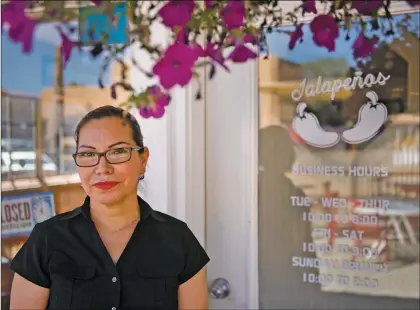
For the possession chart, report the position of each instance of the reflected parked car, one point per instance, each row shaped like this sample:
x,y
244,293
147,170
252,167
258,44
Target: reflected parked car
x,y
17,144
23,164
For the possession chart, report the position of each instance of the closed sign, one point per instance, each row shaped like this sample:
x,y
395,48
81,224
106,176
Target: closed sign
x,y
19,214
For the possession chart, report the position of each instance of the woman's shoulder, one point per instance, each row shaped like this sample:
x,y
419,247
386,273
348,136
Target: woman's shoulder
x,y
173,226
169,221
57,220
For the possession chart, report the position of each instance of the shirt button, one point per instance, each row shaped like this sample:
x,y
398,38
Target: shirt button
x,y
113,308
114,279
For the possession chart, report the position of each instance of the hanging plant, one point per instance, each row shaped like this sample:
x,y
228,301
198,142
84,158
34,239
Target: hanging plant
x,y
201,31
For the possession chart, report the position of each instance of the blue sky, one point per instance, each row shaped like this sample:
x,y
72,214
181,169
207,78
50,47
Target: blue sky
x,y
30,73
308,51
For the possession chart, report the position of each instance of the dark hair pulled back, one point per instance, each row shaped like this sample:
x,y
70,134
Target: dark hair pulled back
x,y
111,111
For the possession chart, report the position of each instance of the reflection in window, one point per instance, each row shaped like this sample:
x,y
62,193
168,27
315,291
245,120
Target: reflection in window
x,y
43,78
344,218
18,132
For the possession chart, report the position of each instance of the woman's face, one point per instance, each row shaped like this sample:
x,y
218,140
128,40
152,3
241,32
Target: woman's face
x,y
100,136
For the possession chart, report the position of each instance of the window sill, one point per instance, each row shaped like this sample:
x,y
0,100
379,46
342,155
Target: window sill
x,y
21,184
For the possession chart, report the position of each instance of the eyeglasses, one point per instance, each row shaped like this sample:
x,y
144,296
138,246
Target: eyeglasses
x,y
113,156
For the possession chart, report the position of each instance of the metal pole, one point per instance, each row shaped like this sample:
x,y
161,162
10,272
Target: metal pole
x,y
9,125
59,91
39,149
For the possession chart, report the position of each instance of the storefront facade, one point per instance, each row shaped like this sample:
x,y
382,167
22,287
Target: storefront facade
x,y
289,220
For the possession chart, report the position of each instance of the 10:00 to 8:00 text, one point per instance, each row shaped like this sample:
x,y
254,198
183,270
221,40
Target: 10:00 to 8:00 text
x,y
340,218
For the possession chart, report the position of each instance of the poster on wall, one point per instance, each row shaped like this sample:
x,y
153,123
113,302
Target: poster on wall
x,y
19,214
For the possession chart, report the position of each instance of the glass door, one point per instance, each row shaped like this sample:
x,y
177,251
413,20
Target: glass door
x,y
338,194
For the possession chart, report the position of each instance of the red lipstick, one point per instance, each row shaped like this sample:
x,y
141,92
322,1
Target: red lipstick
x,y
105,185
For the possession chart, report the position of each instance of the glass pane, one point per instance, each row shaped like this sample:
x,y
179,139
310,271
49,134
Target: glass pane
x,y
18,132
44,76
339,174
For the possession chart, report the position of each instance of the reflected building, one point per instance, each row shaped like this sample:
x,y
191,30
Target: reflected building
x,y
78,100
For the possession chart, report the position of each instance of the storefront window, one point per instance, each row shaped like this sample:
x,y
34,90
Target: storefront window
x,y
41,76
18,136
339,173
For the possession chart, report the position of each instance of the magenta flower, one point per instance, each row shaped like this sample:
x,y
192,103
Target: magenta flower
x,y
21,27
309,6
66,46
325,31
215,53
175,67
208,4
156,111
198,50
233,14
158,101
367,7
23,33
176,13
181,38
295,36
211,50
13,13
242,54
363,46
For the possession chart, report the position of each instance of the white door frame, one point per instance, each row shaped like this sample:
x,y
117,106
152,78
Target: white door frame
x,y
187,160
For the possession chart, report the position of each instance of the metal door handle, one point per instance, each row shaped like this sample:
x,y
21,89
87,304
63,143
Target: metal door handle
x,y
219,289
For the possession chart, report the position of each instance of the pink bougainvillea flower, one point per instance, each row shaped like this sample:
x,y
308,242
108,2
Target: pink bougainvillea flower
x,y
198,50
367,7
241,53
13,13
208,4
233,14
325,31
156,111
295,36
176,13
23,33
175,67
363,46
158,101
215,54
309,6
183,39
21,27
66,46
211,50
413,3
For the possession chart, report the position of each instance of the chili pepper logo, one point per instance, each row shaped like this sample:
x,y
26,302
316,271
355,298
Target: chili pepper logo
x,y
372,116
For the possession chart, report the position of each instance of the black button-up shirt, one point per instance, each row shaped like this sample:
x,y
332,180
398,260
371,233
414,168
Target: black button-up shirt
x,y
66,255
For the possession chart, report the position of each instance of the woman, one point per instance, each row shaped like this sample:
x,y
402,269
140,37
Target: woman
x,y
115,251
282,231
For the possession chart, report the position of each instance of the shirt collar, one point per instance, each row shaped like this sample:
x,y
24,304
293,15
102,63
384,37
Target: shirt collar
x,y
145,211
